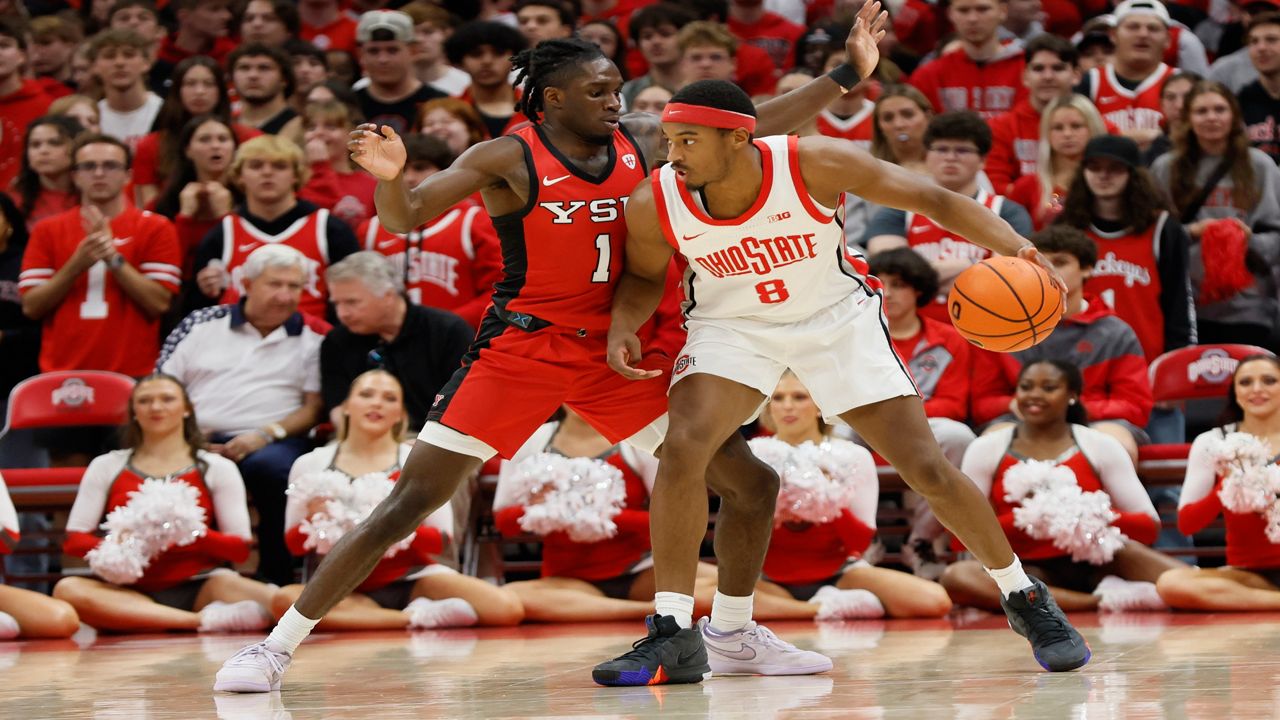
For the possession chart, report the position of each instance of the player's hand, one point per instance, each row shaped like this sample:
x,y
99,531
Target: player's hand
x,y
862,48
624,357
383,155
213,279
1031,253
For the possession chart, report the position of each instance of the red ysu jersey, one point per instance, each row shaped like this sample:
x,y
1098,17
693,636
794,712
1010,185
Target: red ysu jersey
x,y
308,236
1128,281
97,326
563,251
1126,109
451,263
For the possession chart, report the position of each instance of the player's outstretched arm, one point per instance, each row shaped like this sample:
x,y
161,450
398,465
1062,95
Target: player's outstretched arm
x,y
788,112
401,208
643,280
830,166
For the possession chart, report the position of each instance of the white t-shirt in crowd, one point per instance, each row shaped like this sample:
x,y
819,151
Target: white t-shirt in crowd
x,y
129,127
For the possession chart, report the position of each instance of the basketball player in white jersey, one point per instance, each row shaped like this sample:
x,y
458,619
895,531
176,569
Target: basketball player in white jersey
x,y
770,286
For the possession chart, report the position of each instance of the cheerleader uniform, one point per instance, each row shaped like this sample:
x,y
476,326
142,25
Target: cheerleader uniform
x,y
804,557
611,564
391,582
8,521
174,577
1248,547
1098,462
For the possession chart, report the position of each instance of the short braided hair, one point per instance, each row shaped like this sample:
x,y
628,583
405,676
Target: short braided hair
x,y
547,65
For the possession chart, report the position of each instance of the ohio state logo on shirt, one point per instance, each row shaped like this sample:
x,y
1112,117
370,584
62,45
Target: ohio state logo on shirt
x,y
1111,266
436,268
759,255
951,249
73,393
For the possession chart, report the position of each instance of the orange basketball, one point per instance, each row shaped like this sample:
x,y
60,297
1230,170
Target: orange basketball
x,y
1004,304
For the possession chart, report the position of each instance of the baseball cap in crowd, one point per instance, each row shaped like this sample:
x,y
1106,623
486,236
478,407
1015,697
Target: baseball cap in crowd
x,y
1113,147
1141,7
399,24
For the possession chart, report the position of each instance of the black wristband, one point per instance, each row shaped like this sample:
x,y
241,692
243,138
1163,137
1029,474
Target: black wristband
x,y
845,75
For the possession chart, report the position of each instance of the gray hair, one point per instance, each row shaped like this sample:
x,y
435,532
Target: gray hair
x,y
272,255
373,269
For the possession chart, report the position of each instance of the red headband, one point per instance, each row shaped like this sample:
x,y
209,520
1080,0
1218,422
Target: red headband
x,y
708,116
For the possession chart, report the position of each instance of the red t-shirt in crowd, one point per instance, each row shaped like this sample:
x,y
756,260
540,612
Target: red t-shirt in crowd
x,y
97,326
772,33
17,110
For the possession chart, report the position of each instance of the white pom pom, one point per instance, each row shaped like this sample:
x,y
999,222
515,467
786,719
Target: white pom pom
x,y
1052,506
817,480
578,496
347,502
1248,486
159,515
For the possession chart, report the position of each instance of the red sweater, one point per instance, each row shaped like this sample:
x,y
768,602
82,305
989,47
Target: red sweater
x,y
940,364
772,33
602,560
956,82
17,110
802,555
1015,145
1102,345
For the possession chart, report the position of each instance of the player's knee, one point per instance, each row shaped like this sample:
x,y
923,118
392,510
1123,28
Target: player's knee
x,y
928,472
686,447
748,487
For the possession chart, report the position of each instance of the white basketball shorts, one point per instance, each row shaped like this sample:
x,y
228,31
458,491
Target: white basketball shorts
x,y
842,354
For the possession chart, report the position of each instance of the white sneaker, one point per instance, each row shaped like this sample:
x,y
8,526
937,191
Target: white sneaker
x,y
836,604
255,669
1117,595
425,613
755,650
8,627
243,616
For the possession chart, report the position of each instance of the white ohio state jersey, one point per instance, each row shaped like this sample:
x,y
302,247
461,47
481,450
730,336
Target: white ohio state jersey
x,y
782,260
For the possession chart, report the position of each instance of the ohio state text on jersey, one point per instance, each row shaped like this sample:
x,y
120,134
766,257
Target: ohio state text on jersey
x,y
783,260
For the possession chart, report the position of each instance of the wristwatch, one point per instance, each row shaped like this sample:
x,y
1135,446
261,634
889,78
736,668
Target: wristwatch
x,y
277,431
115,262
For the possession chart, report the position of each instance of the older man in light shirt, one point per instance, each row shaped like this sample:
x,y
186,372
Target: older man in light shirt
x,y
252,370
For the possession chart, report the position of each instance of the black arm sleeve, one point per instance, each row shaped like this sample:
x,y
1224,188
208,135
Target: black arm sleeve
x,y
1176,298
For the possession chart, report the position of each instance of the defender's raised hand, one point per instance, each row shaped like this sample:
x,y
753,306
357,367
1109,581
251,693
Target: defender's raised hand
x,y
863,44
381,153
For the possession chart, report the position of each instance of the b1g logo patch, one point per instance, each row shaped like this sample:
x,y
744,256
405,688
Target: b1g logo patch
x,y
684,362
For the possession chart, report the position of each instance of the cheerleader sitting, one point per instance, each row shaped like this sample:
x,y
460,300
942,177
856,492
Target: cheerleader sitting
x,y
24,613
596,564
175,513
334,487
826,519
1042,472
1232,471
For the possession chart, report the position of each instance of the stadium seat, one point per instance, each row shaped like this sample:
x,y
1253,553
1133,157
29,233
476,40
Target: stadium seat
x,y
1197,371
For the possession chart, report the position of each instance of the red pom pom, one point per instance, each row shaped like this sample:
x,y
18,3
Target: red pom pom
x,y
1222,248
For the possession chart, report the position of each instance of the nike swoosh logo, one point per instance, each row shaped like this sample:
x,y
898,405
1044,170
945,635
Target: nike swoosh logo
x,y
740,654
118,242
248,248
687,238
386,243
548,182
683,658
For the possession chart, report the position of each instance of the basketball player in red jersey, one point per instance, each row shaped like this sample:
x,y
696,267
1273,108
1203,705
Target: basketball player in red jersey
x,y
772,288
556,191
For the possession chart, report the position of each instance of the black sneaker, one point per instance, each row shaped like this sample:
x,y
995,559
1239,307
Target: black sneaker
x,y
1035,616
669,654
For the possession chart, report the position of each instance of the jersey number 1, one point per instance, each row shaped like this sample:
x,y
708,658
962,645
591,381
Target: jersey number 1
x,y
604,253
94,306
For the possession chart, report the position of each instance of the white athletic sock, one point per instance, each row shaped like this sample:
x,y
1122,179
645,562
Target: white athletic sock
x,y
289,633
676,605
1010,579
729,613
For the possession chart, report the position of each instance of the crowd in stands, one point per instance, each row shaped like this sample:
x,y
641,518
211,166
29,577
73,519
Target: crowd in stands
x,y
179,206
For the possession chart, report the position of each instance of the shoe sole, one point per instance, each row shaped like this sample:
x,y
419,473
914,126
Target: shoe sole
x,y
245,686
1088,654
777,670
636,678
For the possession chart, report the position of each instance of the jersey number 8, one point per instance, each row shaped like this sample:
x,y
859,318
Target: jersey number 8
x,y
772,291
